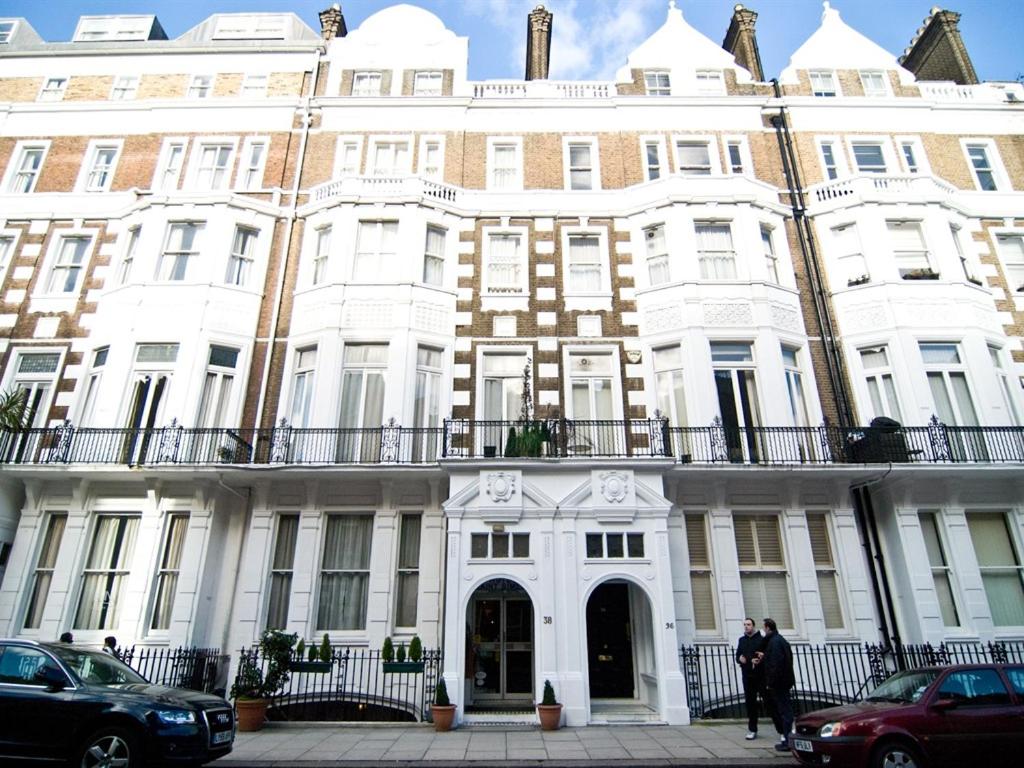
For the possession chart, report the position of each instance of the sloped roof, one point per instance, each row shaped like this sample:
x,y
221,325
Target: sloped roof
x,y
837,45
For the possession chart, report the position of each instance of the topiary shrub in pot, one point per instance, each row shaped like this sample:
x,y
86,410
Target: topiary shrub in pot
x,y
549,711
253,689
442,710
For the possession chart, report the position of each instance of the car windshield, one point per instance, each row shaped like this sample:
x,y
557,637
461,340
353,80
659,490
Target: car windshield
x,y
905,687
96,668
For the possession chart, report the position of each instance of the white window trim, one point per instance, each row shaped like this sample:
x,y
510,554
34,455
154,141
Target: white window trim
x,y
930,254
662,157
89,161
863,392
434,224
602,240
528,353
524,280
421,154
923,166
440,88
719,91
192,84
247,81
658,71
713,151
51,259
13,31
15,238
380,75
892,164
14,164
595,162
517,141
998,169
886,87
318,565
994,233
11,375
195,158
243,163
596,349
135,92
240,372
839,155
312,247
341,142
165,152
786,568
392,138
254,255
835,82
745,157
63,89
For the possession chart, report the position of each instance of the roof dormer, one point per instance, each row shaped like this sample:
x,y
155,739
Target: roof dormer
x,y
126,28
678,60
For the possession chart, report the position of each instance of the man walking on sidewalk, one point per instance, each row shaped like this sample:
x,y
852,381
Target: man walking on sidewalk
x,y
777,661
749,645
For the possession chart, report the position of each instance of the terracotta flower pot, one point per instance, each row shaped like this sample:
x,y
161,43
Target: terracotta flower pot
x,y
251,713
550,716
443,717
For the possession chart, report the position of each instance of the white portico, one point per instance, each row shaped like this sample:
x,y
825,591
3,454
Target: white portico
x,y
561,573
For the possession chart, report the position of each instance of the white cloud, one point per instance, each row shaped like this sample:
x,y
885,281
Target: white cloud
x,y
590,38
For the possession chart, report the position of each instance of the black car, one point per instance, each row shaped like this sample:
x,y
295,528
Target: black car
x,y
66,703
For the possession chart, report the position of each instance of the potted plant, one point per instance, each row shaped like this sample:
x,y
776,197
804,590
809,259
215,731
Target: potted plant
x,y
924,273
858,280
403,662
387,651
415,649
313,661
442,710
512,444
549,710
253,689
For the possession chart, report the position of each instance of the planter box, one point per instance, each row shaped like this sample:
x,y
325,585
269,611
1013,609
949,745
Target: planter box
x,y
402,666
317,667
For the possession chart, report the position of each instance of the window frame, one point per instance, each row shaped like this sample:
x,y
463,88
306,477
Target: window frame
x,y
594,169
348,631
603,260
44,543
1015,551
662,169
702,76
875,93
199,226
516,178
1000,180
879,374
829,569
321,255
1012,271
164,572
404,572
698,251
21,149
941,570
199,147
121,568
47,93
920,157
439,73
421,157
907,255
524,355
438,257
250,178
710,142
41,383
338,170
127,92
570,351
89,166
53,263
657,89
247,91
759,567
885,148
163,171
838,151
705,569
486,288
273,571
381,259
87,403
746,165
824,93
241,262
369,75
201,86
648,257
395,168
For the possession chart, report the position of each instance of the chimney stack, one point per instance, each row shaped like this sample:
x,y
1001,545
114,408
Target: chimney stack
x,y
332,23
937,52
741,41
538,43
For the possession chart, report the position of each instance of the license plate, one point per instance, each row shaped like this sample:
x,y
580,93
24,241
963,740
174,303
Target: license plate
x,y
802,745
222,738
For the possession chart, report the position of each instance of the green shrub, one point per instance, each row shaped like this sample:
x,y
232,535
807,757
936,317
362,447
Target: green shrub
x,y
325,648
441,694
512,444
387,651
300,648
415,648
401,652
549,695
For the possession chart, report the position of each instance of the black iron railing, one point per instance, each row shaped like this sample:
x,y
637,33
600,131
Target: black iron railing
x,y
826,675
200,669
556,438
457,439
356,684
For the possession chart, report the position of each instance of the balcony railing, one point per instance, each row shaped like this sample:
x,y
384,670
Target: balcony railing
x,y
464,439
882,187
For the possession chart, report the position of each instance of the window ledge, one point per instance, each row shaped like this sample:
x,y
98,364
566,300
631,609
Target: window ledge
x,y
504,560
606,560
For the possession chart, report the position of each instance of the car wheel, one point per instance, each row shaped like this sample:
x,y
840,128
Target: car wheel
x,y
896,754
110,748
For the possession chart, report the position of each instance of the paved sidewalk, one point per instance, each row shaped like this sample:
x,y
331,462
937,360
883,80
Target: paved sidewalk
x,y
653,745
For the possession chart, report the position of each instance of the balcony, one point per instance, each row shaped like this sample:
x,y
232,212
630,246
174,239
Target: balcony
x,y
878,188
542,89
551,439
972,95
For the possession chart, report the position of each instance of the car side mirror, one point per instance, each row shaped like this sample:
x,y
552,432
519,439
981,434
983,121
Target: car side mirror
x,y
944,705
52,678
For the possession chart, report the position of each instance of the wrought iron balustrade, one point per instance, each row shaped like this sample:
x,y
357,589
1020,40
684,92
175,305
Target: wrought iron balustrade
x,y
715,444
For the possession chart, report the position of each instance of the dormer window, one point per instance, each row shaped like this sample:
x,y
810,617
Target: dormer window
x,y
874,83
366,84
710,83
823,83
113,28
250,27
427,84
7,31
657,82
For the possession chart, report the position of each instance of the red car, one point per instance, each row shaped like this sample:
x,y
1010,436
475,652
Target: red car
x,y
933,717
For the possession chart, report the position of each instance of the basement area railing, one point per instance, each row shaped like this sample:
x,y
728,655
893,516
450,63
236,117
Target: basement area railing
x,y
464,439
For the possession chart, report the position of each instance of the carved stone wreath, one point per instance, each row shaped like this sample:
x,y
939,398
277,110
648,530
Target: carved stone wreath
x,y
614,486
501,486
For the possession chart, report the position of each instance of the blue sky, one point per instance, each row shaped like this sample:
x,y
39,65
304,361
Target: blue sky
x,y
593,37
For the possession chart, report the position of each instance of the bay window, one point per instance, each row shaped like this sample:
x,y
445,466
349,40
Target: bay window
x,y
362,402
180,246
376,250
881,386
715,251
240,260
433,256
658,270
738,406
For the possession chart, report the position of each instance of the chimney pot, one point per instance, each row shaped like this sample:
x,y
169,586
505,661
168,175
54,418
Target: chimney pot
x,y
332,23
538,43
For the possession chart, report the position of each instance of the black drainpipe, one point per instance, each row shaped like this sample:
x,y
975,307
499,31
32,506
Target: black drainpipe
x,y
833,358
863,508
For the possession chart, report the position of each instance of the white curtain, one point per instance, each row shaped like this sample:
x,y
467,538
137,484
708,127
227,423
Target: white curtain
x,y
1000,568
504,264
167,586
44,570
584,264
106,571
345,576
714,247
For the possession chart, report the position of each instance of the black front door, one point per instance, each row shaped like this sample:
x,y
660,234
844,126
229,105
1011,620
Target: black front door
x,y
610,643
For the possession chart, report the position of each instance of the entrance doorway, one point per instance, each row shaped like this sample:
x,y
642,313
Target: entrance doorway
x,y
610,643
621,660
499,646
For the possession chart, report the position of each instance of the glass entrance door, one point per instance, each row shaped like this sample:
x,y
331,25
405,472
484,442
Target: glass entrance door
x,y
502,649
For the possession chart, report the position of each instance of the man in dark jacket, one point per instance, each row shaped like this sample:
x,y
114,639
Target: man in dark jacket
x,y
747,648
777,661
